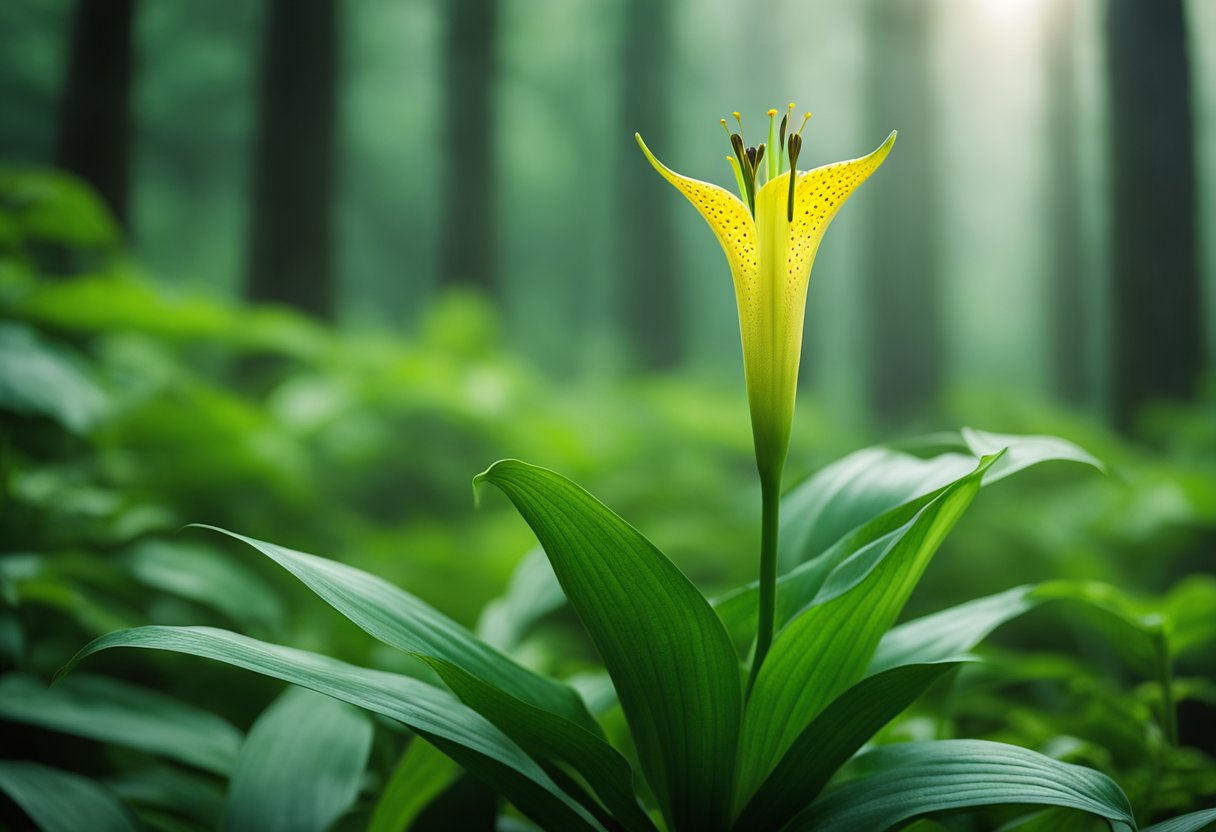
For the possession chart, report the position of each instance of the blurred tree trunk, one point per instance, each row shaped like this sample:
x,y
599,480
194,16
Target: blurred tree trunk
x,y
1157,331
649,279
469,254
1071,320
904,328
94,134
290,257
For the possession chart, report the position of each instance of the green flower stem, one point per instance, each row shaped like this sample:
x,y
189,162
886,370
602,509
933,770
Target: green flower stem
x,y
770,515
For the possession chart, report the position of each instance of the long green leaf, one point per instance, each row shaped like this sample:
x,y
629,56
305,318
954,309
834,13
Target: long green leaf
x,y
560,726
457,730
420,776
1186,823
669,656
59,801
547,736
399,619
950,631
832,738
958,629
798,587
852,502
113,711
1141,638
869,482
300,766
853,490
1017,453
921,778
206,577
827,647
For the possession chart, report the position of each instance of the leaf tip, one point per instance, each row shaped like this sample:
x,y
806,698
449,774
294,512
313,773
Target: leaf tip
x,y
71,664
488,475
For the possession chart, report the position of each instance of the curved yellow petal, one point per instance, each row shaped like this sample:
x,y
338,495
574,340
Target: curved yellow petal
x,y
818,196
727,216
773,348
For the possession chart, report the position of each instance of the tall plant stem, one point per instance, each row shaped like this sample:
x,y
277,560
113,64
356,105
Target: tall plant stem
x,y
770,501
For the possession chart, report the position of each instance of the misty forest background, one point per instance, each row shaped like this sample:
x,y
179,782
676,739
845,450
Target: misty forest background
x,y
1038,231
301,268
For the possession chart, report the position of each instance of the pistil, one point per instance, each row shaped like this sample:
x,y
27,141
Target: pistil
x,y
795,147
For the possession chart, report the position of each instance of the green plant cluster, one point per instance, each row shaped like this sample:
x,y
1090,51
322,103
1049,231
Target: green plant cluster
x,y
603,689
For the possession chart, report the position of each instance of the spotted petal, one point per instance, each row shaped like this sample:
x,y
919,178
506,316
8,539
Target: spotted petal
x,y
770,260
727,216
772,315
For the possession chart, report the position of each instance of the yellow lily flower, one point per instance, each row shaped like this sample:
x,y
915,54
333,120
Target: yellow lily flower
x,y
770,259
770,234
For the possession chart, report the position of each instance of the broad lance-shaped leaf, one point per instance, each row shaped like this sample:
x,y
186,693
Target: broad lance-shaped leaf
x,y
869,482
958,629
207,577
908,780
547,736
59,801
403,621
832,738
853,501
1193,822
561,728
667,652
854,490
300,767
113,711
801,585
461,733
827,647
1141,639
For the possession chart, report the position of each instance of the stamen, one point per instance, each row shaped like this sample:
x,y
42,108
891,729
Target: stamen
x,y
739,119
739,152
795,147
753,164
734,165
773,161
749,175
805,119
